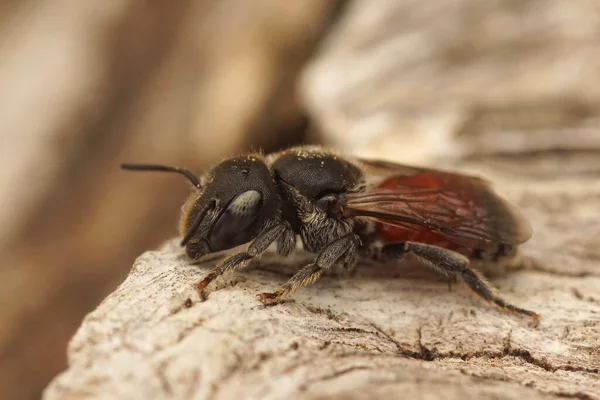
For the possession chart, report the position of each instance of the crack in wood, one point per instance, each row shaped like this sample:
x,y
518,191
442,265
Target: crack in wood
x,y
559,394
162,377
424,352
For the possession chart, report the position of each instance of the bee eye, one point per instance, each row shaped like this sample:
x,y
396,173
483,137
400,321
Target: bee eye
x,y
246,203
233,226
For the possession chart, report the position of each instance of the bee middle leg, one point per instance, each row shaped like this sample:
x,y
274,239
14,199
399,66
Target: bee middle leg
x,y
282,233
450,264
347,246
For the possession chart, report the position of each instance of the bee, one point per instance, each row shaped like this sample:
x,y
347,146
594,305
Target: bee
x,y
342,208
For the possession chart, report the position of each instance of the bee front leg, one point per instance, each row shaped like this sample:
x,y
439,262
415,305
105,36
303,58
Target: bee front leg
x,y
450,264
346,246
282,233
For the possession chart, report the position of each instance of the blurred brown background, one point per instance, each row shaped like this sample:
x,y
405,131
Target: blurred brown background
x,y
85,85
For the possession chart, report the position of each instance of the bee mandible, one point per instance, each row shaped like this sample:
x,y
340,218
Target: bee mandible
x,y
341,208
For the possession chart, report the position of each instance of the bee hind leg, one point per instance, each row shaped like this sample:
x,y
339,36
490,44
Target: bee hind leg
x,y
450,264
346,247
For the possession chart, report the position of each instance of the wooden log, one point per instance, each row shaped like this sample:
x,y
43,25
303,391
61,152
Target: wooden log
x,y
379,331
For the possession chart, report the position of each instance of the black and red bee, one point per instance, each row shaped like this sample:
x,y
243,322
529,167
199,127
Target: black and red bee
x,y
342,208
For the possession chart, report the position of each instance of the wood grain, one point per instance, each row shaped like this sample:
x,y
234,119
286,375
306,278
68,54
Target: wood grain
x,y
377,331
502,89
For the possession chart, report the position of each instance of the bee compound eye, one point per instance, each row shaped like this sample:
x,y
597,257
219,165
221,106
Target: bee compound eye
x,y
234,226
245,204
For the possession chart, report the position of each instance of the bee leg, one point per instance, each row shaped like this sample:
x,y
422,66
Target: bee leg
x,y
286,240
451,263
346,246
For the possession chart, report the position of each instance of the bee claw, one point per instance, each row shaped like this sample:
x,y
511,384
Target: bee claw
x,y
199,286
268,298
202,284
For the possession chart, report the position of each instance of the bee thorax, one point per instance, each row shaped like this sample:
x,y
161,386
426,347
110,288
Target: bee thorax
x,y
319,229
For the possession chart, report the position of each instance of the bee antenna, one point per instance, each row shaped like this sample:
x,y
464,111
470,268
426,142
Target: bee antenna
x,y
166,168
197,222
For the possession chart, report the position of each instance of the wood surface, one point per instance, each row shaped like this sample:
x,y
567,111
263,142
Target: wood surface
x,y
503,89
377,330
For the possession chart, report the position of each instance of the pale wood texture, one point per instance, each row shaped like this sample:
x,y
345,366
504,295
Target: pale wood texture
x,y
403,78
380,330
503,89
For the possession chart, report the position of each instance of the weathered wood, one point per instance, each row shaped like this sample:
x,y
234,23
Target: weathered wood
x,y
411,82
381,330
402,78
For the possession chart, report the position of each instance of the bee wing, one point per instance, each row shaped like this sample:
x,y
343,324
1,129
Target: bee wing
x,y
385,169
462,208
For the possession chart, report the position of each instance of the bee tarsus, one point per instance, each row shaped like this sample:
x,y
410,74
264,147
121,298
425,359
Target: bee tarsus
x,y
346,246
451,264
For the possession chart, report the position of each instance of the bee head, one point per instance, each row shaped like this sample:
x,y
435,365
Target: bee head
x,y
236,200
232,203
